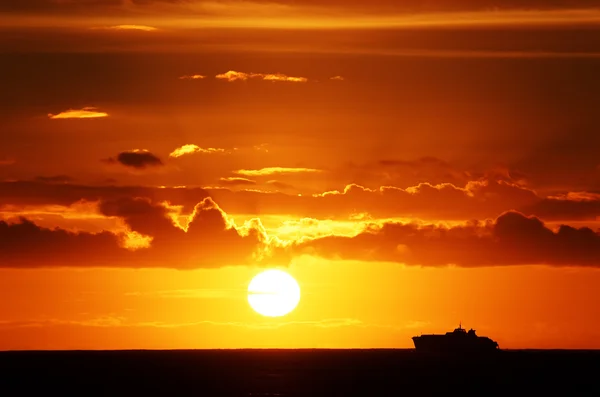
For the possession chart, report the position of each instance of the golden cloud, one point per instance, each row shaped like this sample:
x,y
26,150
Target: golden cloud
x,y
237,181
337,78
190,149
131,27
234,76
576,196
192,77
85,113
275,170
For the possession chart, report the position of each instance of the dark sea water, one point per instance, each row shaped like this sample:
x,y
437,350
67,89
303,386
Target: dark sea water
x,y
297,373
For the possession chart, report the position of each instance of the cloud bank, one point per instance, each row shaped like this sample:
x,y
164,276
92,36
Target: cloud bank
x,y
476,200
232,76
154,237
512,239
85,113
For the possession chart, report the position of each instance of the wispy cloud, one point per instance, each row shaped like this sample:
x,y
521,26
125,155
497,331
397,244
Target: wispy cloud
x,y
85,113
237,181
190,149
192,77
235,76
337,78
576,196
143,28
275,170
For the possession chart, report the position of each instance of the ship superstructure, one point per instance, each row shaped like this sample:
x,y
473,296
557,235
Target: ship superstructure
x,y
457,341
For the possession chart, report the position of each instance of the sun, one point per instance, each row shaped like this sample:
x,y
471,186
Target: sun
x,y
273,293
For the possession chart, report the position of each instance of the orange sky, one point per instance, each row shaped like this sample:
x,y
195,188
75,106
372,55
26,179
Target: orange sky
x,y
411,166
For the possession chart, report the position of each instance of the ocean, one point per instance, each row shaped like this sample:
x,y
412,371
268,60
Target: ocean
x,y
283,373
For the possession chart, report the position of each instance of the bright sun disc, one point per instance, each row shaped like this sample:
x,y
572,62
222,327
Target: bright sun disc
x,y
273,293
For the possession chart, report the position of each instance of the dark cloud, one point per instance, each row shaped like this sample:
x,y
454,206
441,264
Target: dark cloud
x,y
433,170
476,200
36,193
25,244
208,240
138,159
512,239
425,169
565,209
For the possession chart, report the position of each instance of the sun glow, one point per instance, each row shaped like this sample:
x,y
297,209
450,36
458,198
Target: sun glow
x,y
273,293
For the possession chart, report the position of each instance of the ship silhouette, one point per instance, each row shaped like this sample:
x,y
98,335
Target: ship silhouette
x,y
457,341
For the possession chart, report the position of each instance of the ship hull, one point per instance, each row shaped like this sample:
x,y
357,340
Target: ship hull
x,y
442,344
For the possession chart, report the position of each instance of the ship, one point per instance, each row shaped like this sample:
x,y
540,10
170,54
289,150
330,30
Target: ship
x,y
458,341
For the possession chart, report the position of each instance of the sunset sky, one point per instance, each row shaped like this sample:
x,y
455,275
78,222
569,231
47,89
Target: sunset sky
x,y
411,163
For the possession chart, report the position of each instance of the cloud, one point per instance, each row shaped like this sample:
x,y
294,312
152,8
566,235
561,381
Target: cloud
x,y
159,234
208,238
275,170
235,76
337,78
512,239
565,209
193,77
237,181
576,196
24,244
34,193
136,158
478,199
85,113
190,149
474,200
413,36
132,27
